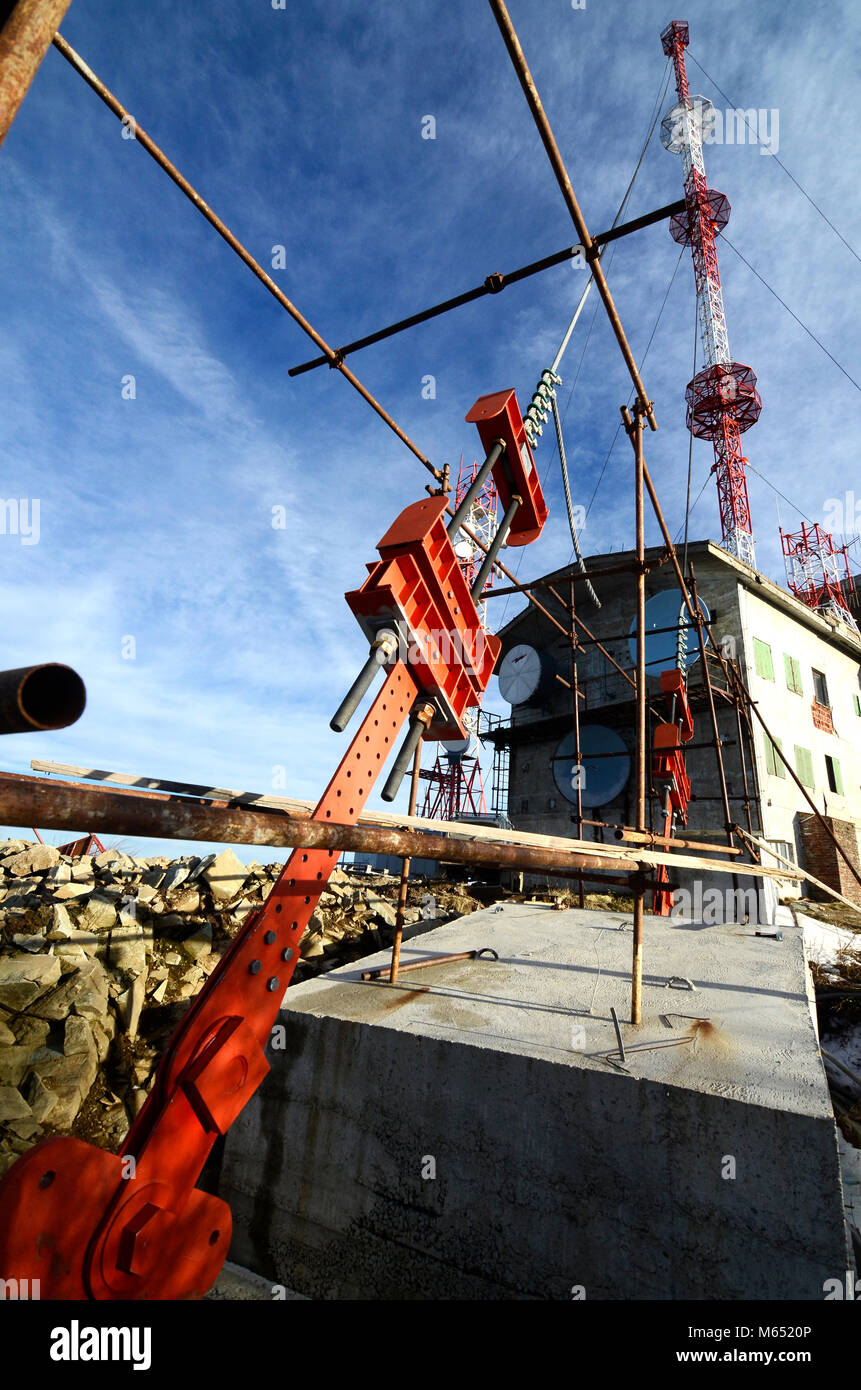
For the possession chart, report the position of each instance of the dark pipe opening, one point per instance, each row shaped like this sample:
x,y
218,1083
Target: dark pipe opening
x,y
47,697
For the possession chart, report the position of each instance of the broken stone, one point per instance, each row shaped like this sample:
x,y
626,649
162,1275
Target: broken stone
x,y
172,957
35,860
106,858
153,878
7,1037
381,909
103,1033
128,952
13,1106
72,890
78,1036
127,912
14,1062
61,923
201,866
29,943
187,900
176,874
24,977
225,876
130,1004
157,995
40,1100
82,871
84,992
99,914
61,873
31,1032
199,943
146,893
61,1073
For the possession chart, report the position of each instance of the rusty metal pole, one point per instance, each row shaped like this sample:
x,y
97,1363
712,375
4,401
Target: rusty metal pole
x,y
634,430
25,38
405,873
707,680
56,805
591,249
577,758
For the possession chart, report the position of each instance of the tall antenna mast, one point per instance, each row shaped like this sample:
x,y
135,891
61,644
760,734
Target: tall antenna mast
x,y
722,399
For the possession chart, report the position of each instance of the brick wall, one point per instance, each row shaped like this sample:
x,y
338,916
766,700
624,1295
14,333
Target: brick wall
x,y
822,858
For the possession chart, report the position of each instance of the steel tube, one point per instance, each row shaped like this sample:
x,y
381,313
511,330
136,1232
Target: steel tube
x,y
640,815
492,284
419,722
495,547
475,487
49,696
405,873
592,251
25,38
353,698
68,805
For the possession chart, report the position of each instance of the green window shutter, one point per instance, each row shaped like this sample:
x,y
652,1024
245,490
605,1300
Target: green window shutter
x,y
838,776
793,674
804,766
773,763
857,699
762,659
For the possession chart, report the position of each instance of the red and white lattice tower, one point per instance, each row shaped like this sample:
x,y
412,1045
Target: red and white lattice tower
x,y
722,399
814,571
455,784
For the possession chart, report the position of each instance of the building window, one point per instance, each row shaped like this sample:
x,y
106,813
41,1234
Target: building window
x,y
773,763
793,674
783,848
762,659
804,766
820,689
835,778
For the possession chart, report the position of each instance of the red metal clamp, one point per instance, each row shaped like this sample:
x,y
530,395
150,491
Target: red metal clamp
x,y
498,417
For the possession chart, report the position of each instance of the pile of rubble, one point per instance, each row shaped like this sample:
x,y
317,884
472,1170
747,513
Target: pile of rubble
x,y
100,957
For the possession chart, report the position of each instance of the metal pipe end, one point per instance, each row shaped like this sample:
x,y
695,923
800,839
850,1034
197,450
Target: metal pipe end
x,y
48,696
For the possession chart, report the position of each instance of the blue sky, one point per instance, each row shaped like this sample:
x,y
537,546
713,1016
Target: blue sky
x,y
302,128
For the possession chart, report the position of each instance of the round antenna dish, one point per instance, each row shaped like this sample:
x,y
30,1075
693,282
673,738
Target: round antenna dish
x,y
601,778
457,748
522,675
464,550
667,610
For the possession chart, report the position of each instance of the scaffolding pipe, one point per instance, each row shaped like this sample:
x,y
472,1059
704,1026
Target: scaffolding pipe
x,y
591,250
24,40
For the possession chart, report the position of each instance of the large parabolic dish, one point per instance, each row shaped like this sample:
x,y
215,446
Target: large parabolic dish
x,y
601,777
667,610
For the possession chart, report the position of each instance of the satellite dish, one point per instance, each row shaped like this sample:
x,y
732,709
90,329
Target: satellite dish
x,y
667,610
464,550
601,778
524,674
457,748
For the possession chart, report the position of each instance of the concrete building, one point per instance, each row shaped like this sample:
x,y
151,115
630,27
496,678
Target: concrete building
x,y
803,670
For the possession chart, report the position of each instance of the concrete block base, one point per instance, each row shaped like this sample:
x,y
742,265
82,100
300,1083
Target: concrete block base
x,y
463,1135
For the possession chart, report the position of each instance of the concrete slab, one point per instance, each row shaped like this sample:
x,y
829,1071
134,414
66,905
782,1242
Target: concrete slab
x,y
466,1134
